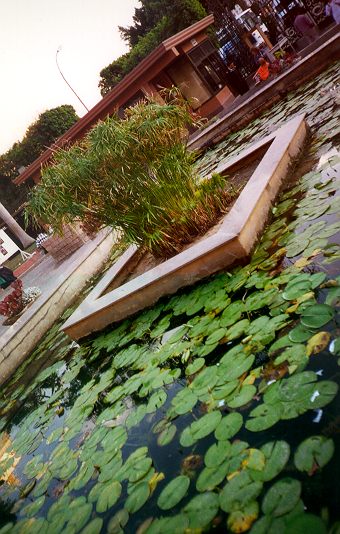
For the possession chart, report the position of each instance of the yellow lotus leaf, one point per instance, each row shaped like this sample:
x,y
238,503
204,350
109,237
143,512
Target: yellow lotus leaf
x,y
256,460
157,477
242,520
300,300
317,343
302,262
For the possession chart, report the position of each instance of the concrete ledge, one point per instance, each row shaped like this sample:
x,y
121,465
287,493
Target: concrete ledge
x,y
309,67
235,237
22,337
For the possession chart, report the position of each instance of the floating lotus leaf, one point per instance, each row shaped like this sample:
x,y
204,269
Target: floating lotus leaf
x,y
184,401
300,333
241,520
117,522
32,509
211,477
255,460
242,397
295,356
204,327
276,455
79,513
296,289
217,453
282,497
206,379
173,493
317,315
303,523
137,498
262,417
114,439
237,329
239,492
167,435
169,525
195,366
156,401
110,469
33,467
318,343
187,439
139,469
234,363
108,496
223,391
229,426
232,313
313,453
135,417
201,509
94,527
216,336
205,425
84,475
260,299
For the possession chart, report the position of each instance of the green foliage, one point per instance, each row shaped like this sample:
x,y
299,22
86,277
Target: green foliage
x,y
40,135
135,175
154,22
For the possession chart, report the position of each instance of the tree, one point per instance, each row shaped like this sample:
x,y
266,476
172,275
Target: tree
x,y
154,22
134,175
40,135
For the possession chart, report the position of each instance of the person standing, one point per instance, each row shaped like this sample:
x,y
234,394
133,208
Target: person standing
x,y
333,9
303,24
235,81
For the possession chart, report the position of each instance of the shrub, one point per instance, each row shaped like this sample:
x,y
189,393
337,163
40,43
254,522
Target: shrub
x,y
135,175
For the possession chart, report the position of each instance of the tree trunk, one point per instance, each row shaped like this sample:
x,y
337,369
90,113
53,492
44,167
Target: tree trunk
x,y
7,218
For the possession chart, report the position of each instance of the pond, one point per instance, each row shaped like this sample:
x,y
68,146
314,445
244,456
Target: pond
x,y
214,411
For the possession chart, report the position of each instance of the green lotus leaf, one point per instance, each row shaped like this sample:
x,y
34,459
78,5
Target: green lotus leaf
x,y
195,366
156,400
168,525
108,496
205,425
111,468
242,397
205,380
94,527
201,509
54,435
241,520
232,313
30,510
41,487
317,315
115,439
237,329
206,325
300,333
282,497
258,325
217,453
295,356
234,364
223,391
303,523
135,417
276,457
297,289
239,492
262,417
137,498
84,475
173,493
210,477
34,466
260,299
313,452
255,461
184,401
117,522
167,435
186,438
138,469
216,336
229,426
79,514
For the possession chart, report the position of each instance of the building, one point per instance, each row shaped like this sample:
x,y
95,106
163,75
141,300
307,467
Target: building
x,y
187,60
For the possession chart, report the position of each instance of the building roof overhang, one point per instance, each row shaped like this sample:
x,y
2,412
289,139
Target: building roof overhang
x,y
166,50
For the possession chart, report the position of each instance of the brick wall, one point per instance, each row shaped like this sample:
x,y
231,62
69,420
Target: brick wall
x,y
62,246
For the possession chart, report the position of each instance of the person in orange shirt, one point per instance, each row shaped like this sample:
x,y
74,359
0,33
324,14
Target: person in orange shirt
x,y
262,72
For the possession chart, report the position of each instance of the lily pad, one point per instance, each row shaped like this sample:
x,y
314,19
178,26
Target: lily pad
x,y
239,492
317,315
229,426
282,497
137,498
313,453
201,509
173,493
108,496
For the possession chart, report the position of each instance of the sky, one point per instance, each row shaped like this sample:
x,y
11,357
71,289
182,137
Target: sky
x,y
86,31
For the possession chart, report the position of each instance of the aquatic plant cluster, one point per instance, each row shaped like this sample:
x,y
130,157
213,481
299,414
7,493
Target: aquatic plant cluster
x,y
215,410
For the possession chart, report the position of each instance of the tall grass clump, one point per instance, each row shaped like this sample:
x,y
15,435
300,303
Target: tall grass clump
x,y
136,175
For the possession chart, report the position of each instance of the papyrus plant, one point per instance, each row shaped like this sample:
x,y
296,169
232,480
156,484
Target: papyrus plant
x,y
135,175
